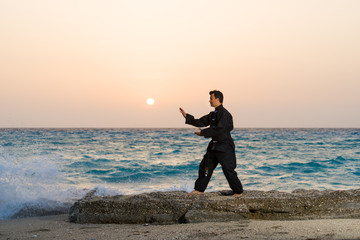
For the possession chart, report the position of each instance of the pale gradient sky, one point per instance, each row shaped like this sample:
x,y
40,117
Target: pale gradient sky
x,y
73,63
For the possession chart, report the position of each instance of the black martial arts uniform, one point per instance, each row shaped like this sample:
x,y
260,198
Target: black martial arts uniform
x,y
221,148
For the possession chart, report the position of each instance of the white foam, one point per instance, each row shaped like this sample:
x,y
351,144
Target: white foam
x,y
104,190
24,181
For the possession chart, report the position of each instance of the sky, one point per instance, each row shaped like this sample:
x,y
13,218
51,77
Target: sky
x,y
88,63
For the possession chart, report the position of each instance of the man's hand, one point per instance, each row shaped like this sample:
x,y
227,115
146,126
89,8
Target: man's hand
x,y
199,133
183,112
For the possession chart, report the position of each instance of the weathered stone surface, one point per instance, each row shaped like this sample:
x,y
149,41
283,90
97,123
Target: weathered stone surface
x,y
303,204
42,207
157,207
179,207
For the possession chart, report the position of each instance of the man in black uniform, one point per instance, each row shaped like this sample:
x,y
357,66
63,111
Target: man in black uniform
x,y
221,148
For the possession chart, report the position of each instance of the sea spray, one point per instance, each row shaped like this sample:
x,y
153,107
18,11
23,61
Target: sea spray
x,y
31,184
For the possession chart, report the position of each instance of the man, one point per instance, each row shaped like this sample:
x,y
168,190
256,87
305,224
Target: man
x,y
221,148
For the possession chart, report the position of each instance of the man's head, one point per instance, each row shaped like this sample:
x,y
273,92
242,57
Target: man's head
x,y
216,98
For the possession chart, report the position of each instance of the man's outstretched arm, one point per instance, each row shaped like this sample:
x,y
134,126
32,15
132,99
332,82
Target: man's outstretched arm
x,y
202,122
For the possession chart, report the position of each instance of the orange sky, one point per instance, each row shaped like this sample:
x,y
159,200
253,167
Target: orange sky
x,y
90,63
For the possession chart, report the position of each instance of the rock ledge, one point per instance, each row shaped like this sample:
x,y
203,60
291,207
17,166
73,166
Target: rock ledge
x,y
179,207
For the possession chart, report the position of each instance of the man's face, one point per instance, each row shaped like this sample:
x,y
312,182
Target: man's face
x,y
214,102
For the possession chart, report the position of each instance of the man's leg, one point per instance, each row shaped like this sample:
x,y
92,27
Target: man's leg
x,y
228,164
209,161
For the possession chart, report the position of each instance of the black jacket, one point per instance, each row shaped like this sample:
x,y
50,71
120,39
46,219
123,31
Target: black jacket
x,y
221,124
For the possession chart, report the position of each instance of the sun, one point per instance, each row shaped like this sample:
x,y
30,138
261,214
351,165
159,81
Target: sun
x,y
150,101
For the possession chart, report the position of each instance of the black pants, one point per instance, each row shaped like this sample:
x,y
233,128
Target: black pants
x,y
227,161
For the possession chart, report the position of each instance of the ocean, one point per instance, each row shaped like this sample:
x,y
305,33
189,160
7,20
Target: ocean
x,y
52,166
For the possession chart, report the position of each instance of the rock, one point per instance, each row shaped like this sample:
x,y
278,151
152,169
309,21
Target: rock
x,y
303,204
143,208
179,207
42,207
213,207
157,207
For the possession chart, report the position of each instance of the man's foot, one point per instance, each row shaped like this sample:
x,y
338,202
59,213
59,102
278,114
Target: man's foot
x,y
238,195
195,192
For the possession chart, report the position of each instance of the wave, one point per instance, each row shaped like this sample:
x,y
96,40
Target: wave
x,y
98,172
32,187
314,166
37,187
44,206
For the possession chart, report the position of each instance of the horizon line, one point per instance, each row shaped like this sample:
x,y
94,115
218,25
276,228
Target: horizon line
x,y
2,128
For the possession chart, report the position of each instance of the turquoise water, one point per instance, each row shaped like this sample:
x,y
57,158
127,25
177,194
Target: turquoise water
x,y
64,164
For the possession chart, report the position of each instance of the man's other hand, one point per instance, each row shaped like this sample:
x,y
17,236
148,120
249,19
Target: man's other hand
x,y
199,133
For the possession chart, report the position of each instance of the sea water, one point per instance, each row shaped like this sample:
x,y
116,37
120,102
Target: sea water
x,y
62,165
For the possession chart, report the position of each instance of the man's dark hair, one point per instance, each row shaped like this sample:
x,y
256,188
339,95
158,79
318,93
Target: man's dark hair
x,y
217,94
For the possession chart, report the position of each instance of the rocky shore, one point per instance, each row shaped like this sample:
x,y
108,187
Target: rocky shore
x,y
179,207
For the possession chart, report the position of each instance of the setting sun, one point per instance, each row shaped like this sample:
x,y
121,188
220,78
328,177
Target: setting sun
x,y
150,101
